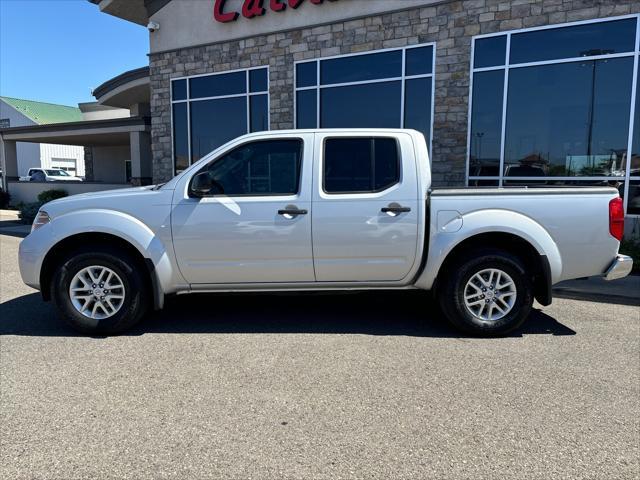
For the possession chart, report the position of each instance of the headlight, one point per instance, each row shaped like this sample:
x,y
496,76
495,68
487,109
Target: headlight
x,y
42,218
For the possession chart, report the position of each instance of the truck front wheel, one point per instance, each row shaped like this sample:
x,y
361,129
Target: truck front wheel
x,y
99,291
486,292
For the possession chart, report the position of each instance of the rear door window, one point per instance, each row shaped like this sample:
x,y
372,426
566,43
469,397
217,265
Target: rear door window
x,y
360,165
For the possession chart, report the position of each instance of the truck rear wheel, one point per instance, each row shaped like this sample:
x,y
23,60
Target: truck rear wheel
x,y
100,291
488,292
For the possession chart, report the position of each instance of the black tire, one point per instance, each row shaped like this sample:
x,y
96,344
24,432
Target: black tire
x,y
451,292
136,291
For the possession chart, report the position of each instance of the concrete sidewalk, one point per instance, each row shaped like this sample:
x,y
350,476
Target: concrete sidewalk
x,y
8,215
624,290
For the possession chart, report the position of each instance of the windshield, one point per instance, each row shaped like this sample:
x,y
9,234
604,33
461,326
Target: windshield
x,y
57,173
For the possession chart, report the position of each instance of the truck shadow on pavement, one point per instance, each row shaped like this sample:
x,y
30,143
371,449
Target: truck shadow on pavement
x,y
370,313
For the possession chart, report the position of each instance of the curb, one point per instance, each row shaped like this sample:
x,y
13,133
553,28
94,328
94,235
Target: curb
x,y
625,291
572,294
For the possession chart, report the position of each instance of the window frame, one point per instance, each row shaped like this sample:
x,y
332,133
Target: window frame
x,y
188,101
300,140
367,137
318,87
506,67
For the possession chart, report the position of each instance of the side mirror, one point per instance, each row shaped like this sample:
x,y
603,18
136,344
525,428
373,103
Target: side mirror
x,y
201,184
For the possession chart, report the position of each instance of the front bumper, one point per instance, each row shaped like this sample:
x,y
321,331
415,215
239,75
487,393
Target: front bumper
x,y
31,252
620,268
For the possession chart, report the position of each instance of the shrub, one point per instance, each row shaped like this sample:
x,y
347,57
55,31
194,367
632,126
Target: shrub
x,y
632,248
49,195
28,211
5,198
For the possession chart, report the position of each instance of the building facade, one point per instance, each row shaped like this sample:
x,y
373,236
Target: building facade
x,y
110,138
15,112
507,93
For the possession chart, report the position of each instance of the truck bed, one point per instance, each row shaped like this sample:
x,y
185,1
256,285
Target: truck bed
x,y
575,218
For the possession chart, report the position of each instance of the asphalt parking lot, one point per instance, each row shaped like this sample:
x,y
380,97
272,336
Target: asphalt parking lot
x,y
316,386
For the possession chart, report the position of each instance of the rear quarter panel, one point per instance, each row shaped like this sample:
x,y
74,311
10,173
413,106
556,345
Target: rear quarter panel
x,y
570,226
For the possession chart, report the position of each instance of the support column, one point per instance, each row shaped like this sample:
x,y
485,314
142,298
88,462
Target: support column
x,y
9,162
88,164
140,158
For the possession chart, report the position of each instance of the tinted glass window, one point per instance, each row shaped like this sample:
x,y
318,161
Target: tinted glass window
x,y
375,105
635,155
419,60
569,119
354,165
361,67
180,136
576,182
490,52
633,205
486,123
258,80
218,85
306,74
179,89
579,41
483,183
215,122
259,113
269,167
306,113
417,108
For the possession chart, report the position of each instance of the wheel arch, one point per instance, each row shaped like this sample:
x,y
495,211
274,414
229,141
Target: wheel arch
x,y
113,228
507,230
517,246
68,244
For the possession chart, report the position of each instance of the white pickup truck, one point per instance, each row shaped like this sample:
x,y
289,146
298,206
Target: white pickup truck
x,y
49,175
320,210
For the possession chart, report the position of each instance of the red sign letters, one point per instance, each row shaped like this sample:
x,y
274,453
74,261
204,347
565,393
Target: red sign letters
x,y
256,8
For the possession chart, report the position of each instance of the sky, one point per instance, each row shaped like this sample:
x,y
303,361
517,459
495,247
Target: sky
x,y
58,51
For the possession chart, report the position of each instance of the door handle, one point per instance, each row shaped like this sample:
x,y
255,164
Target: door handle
x,y
396,209
292,212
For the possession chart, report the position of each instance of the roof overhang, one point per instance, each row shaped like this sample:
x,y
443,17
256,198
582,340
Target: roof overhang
x,y
136,11
92,107
93,133
125,90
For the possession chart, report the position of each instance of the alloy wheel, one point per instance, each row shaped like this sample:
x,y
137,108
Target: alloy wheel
x,y
97,292
490,295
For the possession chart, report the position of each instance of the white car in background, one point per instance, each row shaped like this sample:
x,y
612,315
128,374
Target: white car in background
x,y
49,175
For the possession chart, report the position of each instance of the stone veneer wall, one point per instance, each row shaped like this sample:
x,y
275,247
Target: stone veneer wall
x,y
88,164
450,24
